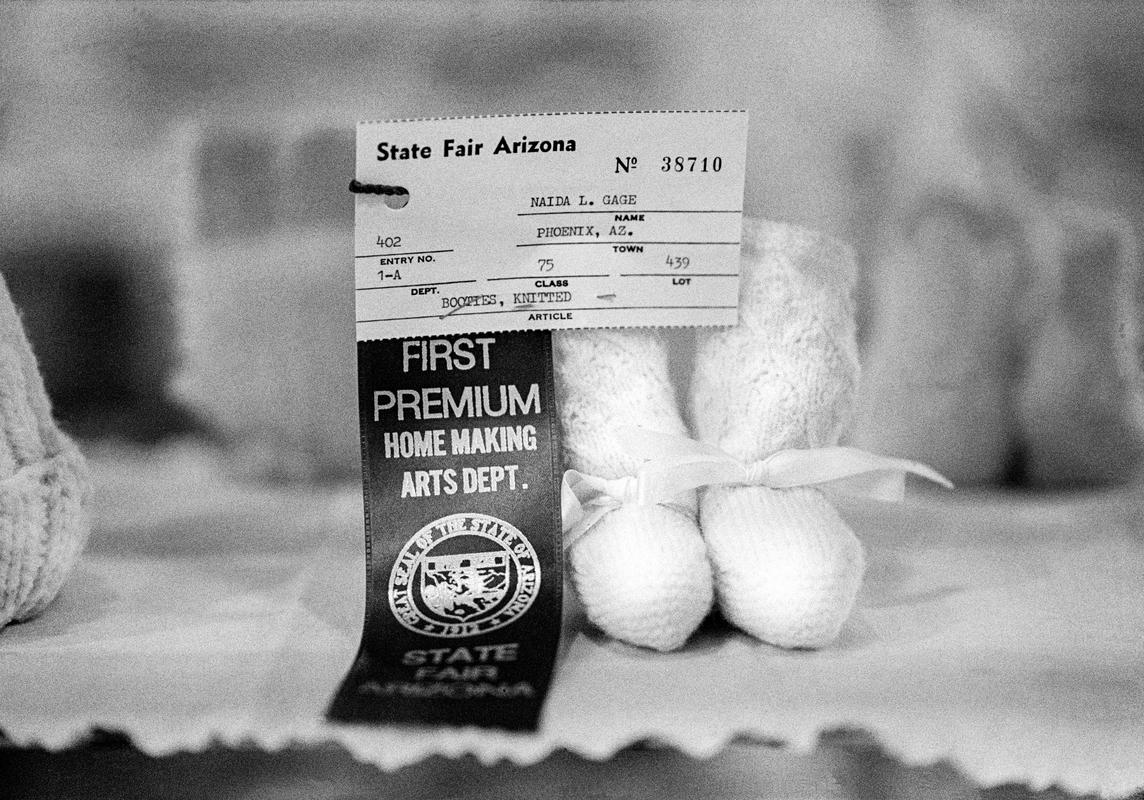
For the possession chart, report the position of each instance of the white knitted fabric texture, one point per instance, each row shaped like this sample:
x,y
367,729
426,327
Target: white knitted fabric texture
x,y
787,569
43,483
641,571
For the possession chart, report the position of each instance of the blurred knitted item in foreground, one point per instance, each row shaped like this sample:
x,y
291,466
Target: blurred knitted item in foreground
x,y
43,483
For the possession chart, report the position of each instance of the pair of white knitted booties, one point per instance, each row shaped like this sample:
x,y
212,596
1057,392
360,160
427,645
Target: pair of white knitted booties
x,y
784,566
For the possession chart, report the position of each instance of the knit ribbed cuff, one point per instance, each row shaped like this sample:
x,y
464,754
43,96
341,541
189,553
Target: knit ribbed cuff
x,y
43,527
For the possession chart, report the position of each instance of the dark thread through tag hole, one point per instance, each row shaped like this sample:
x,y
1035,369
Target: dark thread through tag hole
x,y
395,197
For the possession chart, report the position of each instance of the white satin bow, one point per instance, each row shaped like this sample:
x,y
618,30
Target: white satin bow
x,y
675,464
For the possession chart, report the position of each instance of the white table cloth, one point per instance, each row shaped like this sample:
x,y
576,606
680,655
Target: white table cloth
x,y
1001,632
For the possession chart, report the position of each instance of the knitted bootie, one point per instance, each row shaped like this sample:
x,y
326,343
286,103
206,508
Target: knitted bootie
x,y
43,483
641,571
787,569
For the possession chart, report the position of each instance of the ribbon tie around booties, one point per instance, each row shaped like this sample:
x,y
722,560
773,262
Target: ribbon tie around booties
x,y
674,465
776,392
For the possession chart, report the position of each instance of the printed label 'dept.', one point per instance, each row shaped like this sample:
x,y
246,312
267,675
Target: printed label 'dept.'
x,y
549,221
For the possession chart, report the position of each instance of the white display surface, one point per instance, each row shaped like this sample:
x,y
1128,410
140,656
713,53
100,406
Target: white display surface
x,y
998,632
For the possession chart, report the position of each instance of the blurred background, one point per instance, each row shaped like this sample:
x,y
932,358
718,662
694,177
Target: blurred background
x,y
175,227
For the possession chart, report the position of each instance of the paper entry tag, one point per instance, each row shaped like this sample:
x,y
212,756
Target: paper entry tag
x,y
549,221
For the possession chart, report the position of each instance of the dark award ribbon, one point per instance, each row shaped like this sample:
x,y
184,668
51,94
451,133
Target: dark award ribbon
x,y
461,471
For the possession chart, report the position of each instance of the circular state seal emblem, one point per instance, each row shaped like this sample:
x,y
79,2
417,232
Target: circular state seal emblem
x,y
463,575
